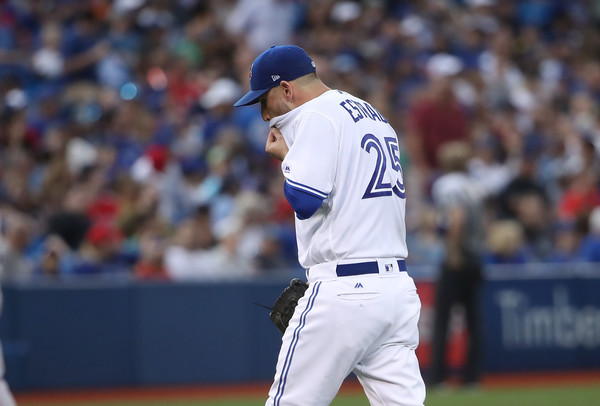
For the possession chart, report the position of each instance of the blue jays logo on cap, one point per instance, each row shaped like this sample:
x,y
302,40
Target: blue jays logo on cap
x,y
283,62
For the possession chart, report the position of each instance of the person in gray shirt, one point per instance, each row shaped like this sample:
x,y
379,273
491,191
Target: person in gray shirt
x,y
459,201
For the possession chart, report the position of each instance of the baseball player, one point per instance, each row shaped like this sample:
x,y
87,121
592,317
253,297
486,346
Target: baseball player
x,y
340,158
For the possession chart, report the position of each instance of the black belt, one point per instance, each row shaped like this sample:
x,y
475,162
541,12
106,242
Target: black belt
x,y
362,268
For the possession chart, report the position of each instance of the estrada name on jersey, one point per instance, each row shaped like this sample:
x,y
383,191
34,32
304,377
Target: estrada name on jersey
x,y
337,130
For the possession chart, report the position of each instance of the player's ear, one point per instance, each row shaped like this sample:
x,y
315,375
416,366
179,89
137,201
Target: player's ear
x,y
286,89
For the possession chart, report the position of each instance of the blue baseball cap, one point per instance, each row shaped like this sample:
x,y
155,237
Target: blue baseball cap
x,y
283,62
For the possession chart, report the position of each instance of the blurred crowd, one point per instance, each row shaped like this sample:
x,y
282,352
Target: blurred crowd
x,y
120,151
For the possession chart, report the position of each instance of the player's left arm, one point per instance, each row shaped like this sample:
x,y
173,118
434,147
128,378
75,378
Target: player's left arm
x,y
304,203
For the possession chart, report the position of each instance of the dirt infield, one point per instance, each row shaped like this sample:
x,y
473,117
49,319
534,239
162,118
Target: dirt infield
x,y
55,398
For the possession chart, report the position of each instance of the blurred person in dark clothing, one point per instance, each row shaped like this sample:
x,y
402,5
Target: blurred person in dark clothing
x,y
523,184
526,200
460,201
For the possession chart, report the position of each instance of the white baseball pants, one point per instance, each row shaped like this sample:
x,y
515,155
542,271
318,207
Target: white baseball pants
x,y
366,324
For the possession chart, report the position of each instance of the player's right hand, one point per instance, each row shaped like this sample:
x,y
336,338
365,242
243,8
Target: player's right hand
x,y
276,146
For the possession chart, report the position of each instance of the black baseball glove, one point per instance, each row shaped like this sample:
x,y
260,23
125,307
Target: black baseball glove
x,y
286,303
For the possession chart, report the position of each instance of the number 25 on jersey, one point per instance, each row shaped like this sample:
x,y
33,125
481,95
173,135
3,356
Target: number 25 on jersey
x,y
377,187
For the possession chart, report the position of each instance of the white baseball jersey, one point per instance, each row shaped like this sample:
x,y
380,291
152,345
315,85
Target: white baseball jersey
x,y
344,156
344,151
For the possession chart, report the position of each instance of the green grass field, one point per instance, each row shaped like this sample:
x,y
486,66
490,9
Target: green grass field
x,y
576,395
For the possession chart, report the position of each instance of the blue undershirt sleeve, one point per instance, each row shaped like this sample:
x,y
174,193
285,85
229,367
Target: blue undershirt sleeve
x,y
305,204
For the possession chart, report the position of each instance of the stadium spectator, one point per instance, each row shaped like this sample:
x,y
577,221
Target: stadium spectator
x,y
193,255
423,240
436,118
14,241
566,242
589,250
101,252
56,257
580,197
152,242
505,243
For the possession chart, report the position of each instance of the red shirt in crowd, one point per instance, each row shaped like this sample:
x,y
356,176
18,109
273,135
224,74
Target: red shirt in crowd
x,y
437,123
